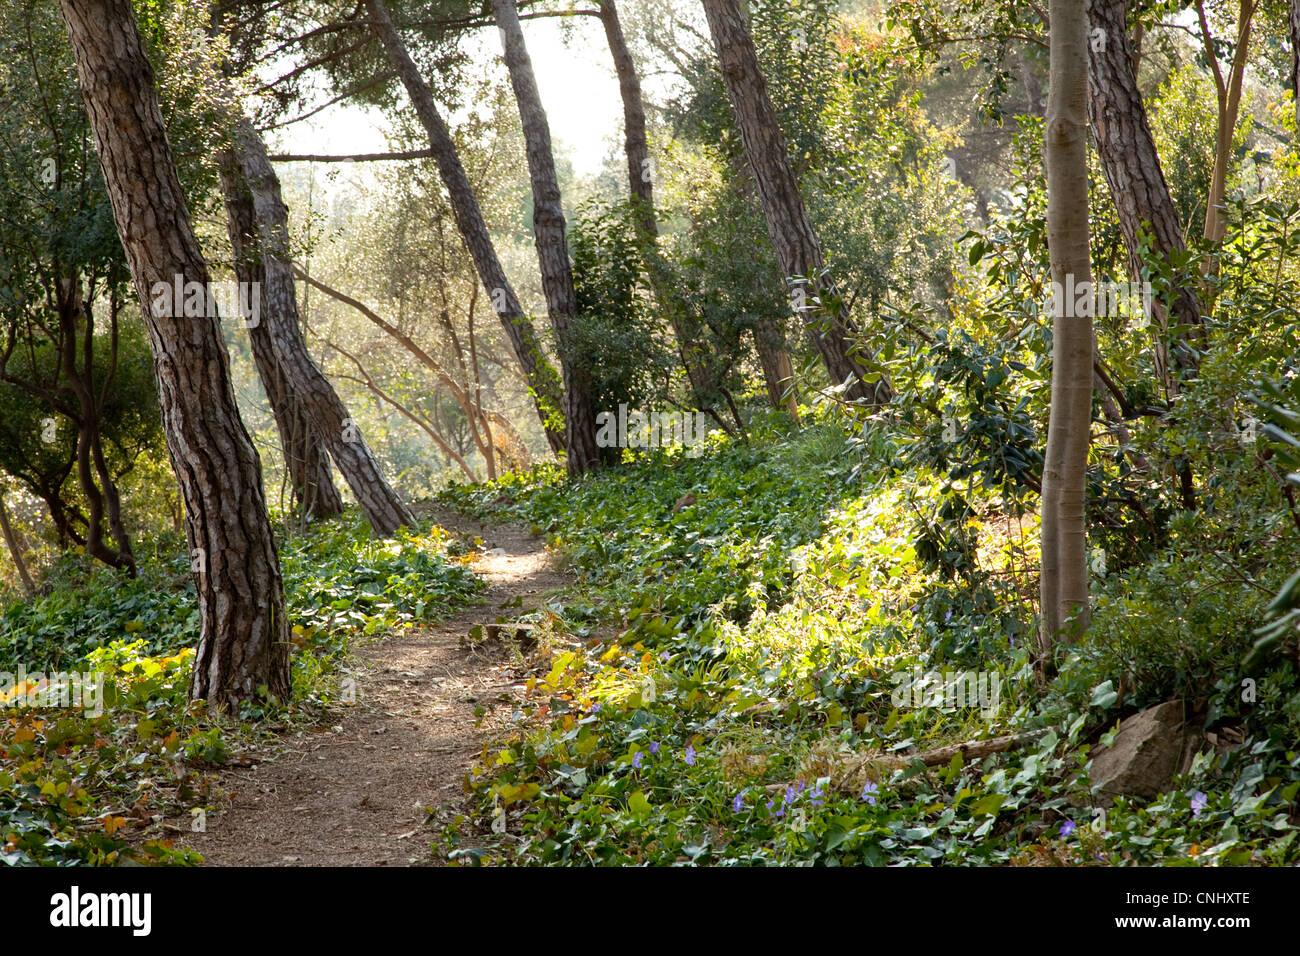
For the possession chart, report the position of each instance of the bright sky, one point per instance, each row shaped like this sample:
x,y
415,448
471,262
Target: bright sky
x,y
577,81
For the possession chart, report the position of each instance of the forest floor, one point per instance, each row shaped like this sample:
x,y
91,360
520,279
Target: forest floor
x,y
357,792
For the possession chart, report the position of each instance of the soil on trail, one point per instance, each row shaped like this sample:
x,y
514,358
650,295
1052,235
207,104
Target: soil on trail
x,y
355,794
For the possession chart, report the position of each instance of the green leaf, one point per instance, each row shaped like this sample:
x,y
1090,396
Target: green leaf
x,y
1104,695
988,805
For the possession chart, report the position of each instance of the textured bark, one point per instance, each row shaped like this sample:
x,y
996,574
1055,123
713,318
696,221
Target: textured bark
x,y
788,225
330,420
1294,30
1137,183
542,380
244,641
1064,575
305,457
581,452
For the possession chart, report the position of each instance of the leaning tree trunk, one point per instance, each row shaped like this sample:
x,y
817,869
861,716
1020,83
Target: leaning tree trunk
x,y
1064,576
15,546
1229,99
243,646
543,382
640,174
1294,24
581,451
788,225
330,420
1137,183
305,457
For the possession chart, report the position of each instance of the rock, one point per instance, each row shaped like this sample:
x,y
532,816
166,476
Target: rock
x,y
1149,749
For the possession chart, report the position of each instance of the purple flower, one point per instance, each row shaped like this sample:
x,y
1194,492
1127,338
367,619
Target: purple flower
x,y
738,803
636,760
947,617
769,803
1067,828
690,755
595,708
816,796
1199,802
665,656
869,791
654,748
790,794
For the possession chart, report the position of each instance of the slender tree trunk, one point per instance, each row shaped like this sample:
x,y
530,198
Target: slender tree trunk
x,y
77,327
1294,25
15,547
1229,98
788,225
640,177
1137,183
432,430
330,420
305,458
542,381
243,646
461,395
1064,580
581,451
636,148
778,371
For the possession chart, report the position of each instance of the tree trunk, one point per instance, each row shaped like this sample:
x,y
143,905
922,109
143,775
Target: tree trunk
x,y
581,451
77,326
15,547
542,380
1294,24
778,371
243,649
788,225
1064,578
1137,183
640,177
330,420
305,457
1229,98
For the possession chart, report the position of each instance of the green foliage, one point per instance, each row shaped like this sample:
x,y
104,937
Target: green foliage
x,y
338,580
75,785
629,357
742,625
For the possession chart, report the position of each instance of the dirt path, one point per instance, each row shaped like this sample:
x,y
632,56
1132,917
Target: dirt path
x,y
355,794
